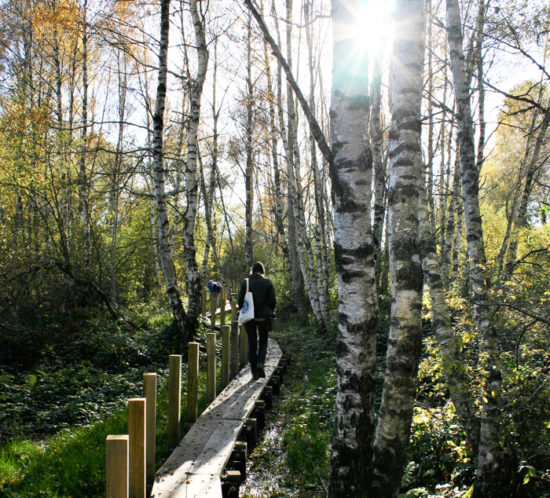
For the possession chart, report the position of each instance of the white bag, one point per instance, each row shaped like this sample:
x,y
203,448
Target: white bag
x,y
247,311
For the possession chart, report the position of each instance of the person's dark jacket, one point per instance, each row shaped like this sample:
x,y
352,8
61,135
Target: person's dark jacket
x,y
263,293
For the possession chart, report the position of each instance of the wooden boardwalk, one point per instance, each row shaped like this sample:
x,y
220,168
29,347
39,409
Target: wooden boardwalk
x,y
194,468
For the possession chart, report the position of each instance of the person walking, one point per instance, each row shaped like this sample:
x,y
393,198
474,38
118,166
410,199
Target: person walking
x,y
263,293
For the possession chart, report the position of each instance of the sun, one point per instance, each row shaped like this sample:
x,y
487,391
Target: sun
x,y
372,28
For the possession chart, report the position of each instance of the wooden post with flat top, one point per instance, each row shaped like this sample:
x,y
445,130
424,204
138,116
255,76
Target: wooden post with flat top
x,y
117,466
222,306
213,303
192,381
150,393
234,313
136,433
226,330
211,367
234,350
174,400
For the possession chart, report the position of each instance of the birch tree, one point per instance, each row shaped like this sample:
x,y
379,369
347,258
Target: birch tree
x,y
191,183
163,223
354,250
489,472
405,338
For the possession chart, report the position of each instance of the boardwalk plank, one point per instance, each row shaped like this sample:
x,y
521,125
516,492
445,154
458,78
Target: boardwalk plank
x,y
194,467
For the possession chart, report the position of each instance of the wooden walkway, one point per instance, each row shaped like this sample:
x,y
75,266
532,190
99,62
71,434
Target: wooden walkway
x,y
195,467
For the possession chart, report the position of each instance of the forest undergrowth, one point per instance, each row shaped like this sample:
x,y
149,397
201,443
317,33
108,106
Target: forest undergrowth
x,y
57,412
292,458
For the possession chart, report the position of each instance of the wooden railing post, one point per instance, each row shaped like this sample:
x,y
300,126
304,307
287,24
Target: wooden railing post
x,y
136,433
204,301
234,350
211,367
243,347
150,393
192,381
117,466
213,299
226,329
174,400
234,308
222,306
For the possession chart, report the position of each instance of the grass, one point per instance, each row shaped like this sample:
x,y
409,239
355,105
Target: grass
x,y
72,462
293,457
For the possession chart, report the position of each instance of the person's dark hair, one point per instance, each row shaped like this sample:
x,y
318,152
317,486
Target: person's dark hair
x,y
258,267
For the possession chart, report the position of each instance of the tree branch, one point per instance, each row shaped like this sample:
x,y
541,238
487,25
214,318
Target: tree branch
x,y
316,131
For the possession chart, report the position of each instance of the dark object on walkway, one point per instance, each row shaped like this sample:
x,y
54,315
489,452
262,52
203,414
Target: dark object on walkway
x,y
214,287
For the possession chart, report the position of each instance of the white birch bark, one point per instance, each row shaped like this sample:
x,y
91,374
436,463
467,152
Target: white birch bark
x,y
279,209
191,184
351,175
320,238
405,337
164,244
489,474
249,168
452,363
296,281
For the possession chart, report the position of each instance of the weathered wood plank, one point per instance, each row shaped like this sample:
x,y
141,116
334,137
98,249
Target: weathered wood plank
x,y
194,467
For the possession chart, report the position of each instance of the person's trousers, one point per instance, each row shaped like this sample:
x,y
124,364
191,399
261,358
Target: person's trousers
x,y
257,349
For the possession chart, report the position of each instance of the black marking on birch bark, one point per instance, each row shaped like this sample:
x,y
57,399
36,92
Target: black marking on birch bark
x,y
344,256
404,147
401,193
409,277
342,192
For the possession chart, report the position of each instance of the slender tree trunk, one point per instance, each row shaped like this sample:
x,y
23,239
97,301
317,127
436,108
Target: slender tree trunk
x,y
296,281
489,471
164,244
320,237
351,176
295,200
117,170
84,193
452,362
404,195
208,194
249,139
377,141
279,208
191,184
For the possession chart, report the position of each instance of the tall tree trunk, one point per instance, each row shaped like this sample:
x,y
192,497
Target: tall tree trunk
x,y
489,471
404,196
83,180
351,176
377,141
117,171
277,184
249,139
452,362
296,281
208,194
164,244
320,235
191,184
295,200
